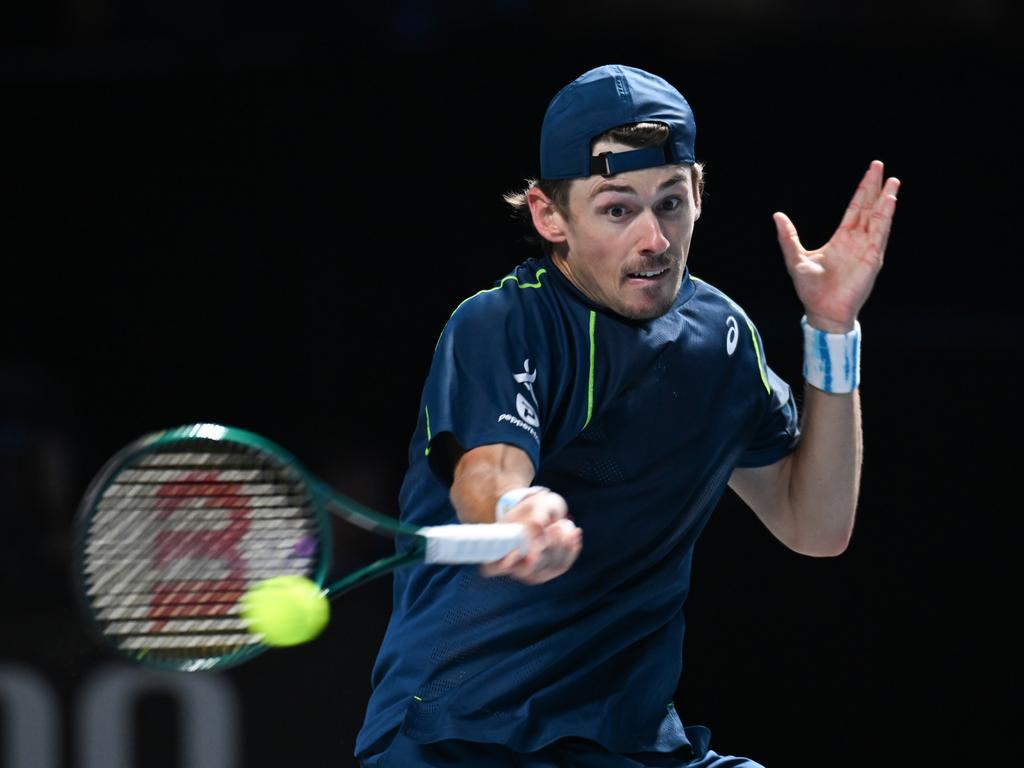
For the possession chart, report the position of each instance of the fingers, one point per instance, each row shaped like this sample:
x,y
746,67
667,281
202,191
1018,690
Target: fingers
x,y
789,241
501,567
553,542
870,198
873,177
865,196
559,547
881,217
550,553
564,543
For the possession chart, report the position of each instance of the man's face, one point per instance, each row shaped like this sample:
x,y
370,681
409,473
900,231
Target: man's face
x,y
628,235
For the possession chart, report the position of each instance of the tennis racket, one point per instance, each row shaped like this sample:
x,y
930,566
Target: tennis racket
x,y
180,523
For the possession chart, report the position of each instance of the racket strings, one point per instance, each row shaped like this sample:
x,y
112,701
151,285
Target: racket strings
x,y
178,536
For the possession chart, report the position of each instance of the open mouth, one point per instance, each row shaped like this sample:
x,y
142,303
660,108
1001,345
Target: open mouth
x,y
648,276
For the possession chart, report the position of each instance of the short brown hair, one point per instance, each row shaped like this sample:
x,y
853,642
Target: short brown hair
x,y
636,135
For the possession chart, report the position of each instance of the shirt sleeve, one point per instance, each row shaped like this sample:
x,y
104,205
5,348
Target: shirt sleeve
x,y
487,381
778,429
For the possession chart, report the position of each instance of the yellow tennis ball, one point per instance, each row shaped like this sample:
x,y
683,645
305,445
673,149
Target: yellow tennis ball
x,y
285,610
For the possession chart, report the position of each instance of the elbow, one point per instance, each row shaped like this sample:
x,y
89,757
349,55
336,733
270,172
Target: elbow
x,y
821,543
830,549
821,529
815,529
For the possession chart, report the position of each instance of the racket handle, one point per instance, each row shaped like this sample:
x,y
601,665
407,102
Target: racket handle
x,y
472,542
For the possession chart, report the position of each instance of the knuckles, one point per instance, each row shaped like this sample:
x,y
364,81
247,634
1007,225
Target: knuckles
x,y
553,541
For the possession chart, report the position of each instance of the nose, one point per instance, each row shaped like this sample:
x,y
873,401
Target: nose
x,y
652,239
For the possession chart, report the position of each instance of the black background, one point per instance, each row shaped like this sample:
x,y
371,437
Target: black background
x,y
261,214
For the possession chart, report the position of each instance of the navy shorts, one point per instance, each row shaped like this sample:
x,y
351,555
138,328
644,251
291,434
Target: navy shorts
x,y
564,753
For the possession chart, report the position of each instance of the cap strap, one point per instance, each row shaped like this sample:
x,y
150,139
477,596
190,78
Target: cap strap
x,y
610,163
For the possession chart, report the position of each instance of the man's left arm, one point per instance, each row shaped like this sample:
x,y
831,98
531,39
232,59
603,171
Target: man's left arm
x,y
809,498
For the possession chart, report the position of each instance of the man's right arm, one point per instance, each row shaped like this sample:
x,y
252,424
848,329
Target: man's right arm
x,y
481,476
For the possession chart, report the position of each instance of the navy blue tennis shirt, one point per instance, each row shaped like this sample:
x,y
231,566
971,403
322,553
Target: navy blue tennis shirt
x,y
638,424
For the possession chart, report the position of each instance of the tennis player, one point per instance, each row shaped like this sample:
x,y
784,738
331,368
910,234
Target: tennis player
x,y
605,397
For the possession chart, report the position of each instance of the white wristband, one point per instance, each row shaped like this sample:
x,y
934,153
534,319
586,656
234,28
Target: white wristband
x,y
831,360
510,498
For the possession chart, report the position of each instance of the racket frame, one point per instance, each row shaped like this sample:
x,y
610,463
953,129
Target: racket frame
x,y
156,442
414,545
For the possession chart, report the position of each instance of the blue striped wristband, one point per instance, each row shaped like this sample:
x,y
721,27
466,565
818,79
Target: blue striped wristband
x,y
831,360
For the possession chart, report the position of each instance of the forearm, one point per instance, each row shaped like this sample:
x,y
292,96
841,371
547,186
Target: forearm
x,y
483,475
553,542
824,472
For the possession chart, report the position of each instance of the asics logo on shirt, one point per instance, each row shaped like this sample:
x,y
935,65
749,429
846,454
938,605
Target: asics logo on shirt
x,y
732,336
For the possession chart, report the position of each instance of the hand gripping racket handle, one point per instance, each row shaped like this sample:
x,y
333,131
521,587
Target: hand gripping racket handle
x,y
472,543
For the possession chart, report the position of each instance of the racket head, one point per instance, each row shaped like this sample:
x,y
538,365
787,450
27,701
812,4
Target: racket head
x,y
177,526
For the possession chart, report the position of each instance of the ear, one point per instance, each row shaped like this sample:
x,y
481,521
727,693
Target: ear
x,y
695,192
548,222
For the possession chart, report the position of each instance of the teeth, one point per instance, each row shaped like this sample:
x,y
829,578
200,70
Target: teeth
x,y
648,274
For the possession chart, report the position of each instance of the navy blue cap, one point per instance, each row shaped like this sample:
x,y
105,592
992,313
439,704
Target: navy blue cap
x,y
605,98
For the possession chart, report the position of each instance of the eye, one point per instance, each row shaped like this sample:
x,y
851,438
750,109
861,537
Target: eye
x,y
616,211
672,204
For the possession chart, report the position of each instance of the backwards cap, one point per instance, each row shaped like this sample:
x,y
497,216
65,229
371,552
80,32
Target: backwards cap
x,y
605,98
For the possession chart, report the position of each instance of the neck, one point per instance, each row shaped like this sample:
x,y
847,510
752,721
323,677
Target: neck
x,y
560,261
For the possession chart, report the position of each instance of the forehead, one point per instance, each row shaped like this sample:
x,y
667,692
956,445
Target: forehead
x,y
644,182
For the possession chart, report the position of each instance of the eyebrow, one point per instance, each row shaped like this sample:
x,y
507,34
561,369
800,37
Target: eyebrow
x,y
608,187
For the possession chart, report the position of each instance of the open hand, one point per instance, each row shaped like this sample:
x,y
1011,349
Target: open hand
x,y
834,281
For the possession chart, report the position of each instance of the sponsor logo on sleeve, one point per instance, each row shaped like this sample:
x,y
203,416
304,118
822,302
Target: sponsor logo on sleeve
x,y
526,411
527,418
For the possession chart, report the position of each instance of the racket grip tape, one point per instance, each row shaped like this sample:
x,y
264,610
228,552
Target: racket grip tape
x,y
472,542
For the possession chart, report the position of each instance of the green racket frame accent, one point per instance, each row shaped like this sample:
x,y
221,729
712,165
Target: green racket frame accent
x,y
322,498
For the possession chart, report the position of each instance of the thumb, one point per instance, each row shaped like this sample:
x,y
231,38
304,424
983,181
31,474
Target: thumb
x,y
789,241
